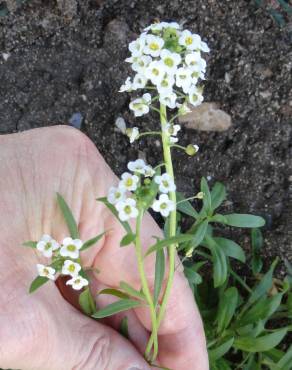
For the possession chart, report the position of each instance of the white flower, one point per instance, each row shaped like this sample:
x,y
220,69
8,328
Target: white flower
x,y
170,60
195,62
195,96
164,87
183,78
136,47
161,25
204,47
192,149
71,268
139,64
77,282
137,166
155,71
149,171
115,195
47,245
168,100
46,271
173,139
127,86
183,109
132,133
165,182
140,106
172,130
190,41
139,81
196,147
127,209
71,248
121,124
163,205
128,182
153,46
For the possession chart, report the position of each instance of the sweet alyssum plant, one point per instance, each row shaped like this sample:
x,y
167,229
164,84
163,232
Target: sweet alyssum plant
x,y
168,66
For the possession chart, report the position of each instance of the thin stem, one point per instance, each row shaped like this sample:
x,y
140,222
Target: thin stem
x,y
150,133
187,199
145,287
172,222
178,146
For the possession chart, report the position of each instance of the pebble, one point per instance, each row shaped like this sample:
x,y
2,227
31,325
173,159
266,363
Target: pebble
x,y
207,117
76,120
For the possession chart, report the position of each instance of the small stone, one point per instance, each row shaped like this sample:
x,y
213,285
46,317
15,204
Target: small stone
x,y
6,56
265,94
207,117
76,120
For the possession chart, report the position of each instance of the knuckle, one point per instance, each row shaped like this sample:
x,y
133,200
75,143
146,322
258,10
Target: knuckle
x,y
96,354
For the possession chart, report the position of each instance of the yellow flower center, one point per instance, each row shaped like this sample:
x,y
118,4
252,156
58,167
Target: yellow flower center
x,y
163,206
165,183
189,40
169,62
48,246
155,71
154,46
71,268
71,248
127,210
129,182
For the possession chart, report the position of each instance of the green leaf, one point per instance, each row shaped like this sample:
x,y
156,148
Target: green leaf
x,y
131,291
218,218
168,242
37,283
124,330
86,302
30,244
218,195
114,292
219,262
244,220
113,210
256,245
127,239
262,310
221,350
227,307
260,344
116,307
193,277
159,273
207,195
264,286
286,360
199,231
68,216
89,243
231,249
185,207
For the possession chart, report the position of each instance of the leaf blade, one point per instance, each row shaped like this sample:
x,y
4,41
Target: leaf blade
x,y
68,216
116,307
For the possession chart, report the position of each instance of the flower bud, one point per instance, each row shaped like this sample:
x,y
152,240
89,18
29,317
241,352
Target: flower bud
x,y
200,195
192,149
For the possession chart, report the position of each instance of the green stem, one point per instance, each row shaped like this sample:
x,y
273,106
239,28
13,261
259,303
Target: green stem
x,y
145,287
172,223
149,133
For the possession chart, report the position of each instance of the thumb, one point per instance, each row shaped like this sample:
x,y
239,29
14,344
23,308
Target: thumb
x,y
57,336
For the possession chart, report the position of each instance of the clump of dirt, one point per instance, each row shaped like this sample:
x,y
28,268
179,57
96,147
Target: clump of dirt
x,y
57,63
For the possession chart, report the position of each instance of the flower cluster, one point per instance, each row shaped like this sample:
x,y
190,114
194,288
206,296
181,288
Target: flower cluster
x,y
63,255
169,60
127,205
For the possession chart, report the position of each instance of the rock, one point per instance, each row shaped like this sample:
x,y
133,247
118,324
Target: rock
x,y
68,8
207,117
11,5
76,120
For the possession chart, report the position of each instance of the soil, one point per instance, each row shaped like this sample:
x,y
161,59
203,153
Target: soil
x,y
63,62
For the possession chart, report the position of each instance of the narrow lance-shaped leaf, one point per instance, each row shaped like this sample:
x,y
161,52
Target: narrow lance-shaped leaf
x,y
185,207
86,302
124,330
159,273
230,248
244,220
114,292
221,350
116,307
37,283
113,210
131,291
260,344
127,239
218,195
207,195
89,243
256,244
168,242
30,243
227,307
68,216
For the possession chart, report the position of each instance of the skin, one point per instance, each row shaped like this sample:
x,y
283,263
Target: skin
x,y
43,331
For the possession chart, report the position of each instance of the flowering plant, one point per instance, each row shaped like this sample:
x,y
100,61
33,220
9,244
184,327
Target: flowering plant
x,y
168,66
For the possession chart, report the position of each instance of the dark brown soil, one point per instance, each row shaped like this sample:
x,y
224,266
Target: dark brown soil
x,y
72,61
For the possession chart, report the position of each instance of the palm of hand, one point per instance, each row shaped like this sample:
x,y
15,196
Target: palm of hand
x,y
33,167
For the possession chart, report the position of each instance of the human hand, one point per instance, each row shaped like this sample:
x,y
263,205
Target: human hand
x,y
42,331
